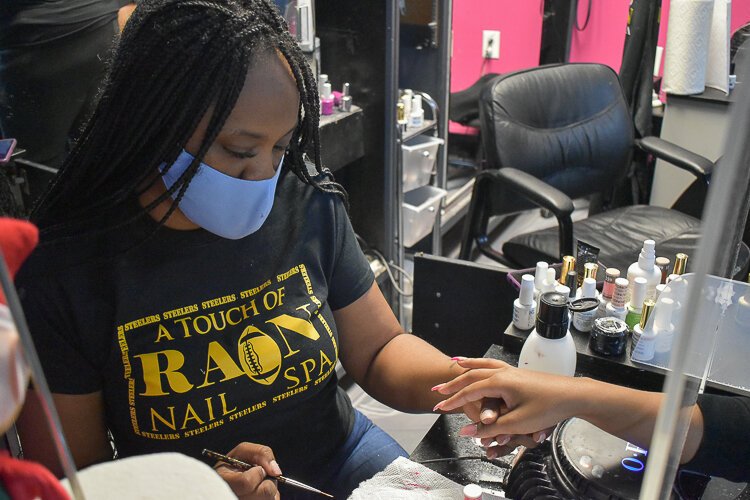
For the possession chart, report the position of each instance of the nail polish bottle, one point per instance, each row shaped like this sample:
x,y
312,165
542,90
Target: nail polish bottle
x,y
663,264
326,100
406,98
664,330
345,92
524,308
645,346
608,291
568,264
416,118
635,306
322,80
648,308
571,282
540,273
616,308
548,285
584,321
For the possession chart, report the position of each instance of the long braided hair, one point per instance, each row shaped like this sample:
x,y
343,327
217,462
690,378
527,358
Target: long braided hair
x,y
175,60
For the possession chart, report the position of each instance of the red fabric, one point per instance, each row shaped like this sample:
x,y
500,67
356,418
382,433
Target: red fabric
x,y
17,239
24,480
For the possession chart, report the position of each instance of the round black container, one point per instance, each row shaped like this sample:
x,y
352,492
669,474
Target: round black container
x,y
609,336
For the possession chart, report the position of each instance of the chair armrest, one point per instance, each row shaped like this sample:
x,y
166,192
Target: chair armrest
x,y
543,195
535,190
678,156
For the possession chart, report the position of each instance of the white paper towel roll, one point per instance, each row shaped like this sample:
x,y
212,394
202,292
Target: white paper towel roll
x,y
686,56
717,68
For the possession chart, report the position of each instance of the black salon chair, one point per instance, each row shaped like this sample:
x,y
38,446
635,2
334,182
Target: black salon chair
x,y
560,132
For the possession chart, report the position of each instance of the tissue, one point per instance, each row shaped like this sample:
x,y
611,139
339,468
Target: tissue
x,y
686,57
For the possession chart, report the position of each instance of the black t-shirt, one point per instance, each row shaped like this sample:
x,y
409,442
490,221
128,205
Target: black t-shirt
x,y
202,342
725,448
31,22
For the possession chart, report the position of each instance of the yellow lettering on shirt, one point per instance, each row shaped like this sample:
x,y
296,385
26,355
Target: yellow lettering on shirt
x,y
152,373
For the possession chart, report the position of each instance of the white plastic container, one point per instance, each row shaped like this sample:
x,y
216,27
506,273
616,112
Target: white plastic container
x,y
645,268
419,156
420,207
549,347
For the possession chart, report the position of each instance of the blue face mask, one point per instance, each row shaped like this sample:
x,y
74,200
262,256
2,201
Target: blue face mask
x,y
226,206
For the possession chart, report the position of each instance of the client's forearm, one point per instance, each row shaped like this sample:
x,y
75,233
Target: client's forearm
x,y
630,414
404,371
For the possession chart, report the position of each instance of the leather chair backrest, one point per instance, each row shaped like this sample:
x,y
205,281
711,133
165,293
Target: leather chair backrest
x,y
566,124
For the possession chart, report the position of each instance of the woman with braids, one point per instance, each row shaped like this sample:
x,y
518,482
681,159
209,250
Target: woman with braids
x,y
198,280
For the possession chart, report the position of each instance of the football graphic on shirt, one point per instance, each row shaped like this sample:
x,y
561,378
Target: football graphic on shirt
x,y
259,355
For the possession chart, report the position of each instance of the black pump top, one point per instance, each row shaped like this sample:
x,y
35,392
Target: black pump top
x,y
552,320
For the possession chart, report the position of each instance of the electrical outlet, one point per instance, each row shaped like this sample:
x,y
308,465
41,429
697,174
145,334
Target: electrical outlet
x,y
490,44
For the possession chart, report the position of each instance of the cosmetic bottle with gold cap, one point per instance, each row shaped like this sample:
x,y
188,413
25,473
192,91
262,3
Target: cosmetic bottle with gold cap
x,y
648,308
680,266
635,306
568,264
401,117
589,271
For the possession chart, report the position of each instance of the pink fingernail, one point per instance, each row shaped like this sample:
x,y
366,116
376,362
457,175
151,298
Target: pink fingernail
x,y
438,406
458,358
491,454
275,468
504,441
437,387
541,437
468,430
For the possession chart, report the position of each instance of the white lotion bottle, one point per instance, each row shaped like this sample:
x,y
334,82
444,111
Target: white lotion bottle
x,y
584,321
550,347
524,307
646,268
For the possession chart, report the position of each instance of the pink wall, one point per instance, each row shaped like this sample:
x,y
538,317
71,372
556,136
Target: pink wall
x,y
520,26
603,39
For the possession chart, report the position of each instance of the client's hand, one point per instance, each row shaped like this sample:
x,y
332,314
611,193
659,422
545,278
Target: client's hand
x,y
253,483
532,402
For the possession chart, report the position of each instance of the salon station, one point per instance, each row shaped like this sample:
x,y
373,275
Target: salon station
x,y
407,249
